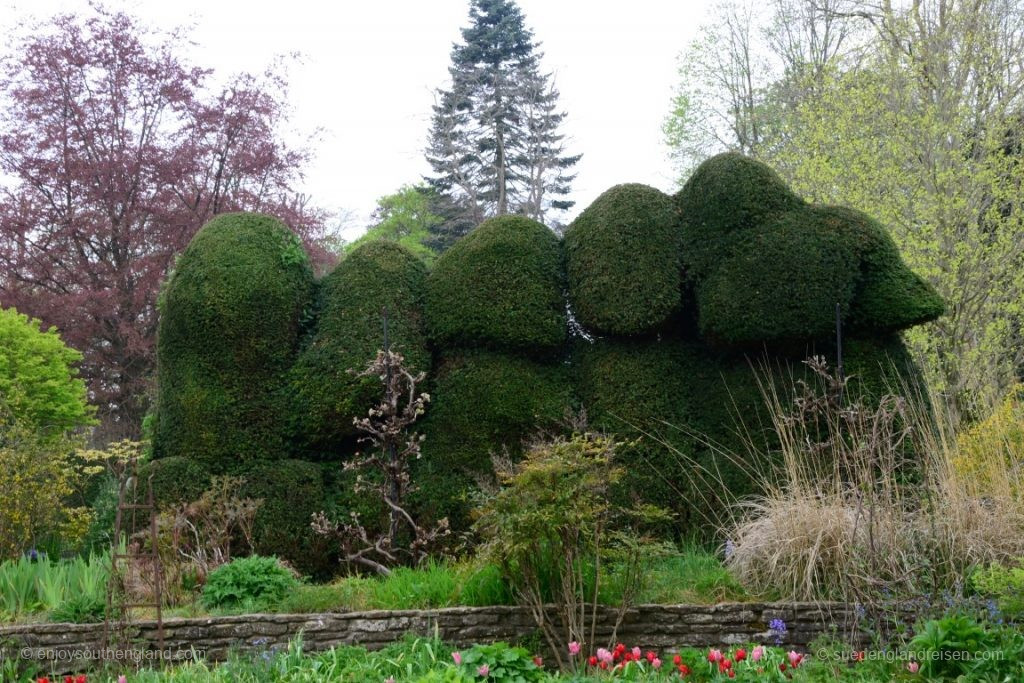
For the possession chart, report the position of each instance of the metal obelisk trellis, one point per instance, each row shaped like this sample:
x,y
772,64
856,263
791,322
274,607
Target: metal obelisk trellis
x,y
127,560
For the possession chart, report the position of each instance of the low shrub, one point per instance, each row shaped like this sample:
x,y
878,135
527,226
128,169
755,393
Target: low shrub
x,y
250,583
1005,585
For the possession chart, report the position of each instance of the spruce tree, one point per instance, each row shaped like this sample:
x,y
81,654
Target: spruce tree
x,y
494,143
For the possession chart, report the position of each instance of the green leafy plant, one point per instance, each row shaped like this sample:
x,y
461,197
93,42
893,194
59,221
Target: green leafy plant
x,y
554,529
1004,584
946,647
500,662
249,582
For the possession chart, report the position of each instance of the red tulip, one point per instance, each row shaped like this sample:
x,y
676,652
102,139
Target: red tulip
x,y
538,661
651,656
741,654
677,660
592,661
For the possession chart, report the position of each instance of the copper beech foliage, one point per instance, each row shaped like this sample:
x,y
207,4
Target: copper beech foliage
x,y
114,150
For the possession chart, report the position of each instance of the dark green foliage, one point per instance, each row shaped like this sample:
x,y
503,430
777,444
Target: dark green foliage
x,y
176,479
483,404
769,269
250,582
779,283
229,329
699,414
326,397
726,194
291,491
501,286
890,296
622,260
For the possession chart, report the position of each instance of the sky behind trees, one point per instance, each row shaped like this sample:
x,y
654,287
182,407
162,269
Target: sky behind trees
x,y
367,74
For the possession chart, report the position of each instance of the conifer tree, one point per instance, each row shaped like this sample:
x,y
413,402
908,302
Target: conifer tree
x,y
495,146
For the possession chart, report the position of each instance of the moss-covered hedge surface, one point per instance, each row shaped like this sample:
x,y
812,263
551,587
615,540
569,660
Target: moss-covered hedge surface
x,y
324,395
484,404
501,286
229,330
623,261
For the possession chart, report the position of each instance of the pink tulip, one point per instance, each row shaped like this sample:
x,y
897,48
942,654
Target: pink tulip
x,y
484,670
757,653
715,655
656,663
574,648
457,658
913,667
795,658
605,656
636,654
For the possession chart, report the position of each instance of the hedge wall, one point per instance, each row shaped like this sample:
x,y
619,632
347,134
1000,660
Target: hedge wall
x,y
229,329
483,404
501,286
324,396
623,261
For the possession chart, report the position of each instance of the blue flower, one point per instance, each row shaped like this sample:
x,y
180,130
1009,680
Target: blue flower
x,y
778,629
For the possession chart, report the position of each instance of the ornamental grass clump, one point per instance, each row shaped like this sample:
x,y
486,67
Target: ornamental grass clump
x,y
865,504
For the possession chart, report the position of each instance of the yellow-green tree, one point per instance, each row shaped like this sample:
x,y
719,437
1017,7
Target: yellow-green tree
x,y
42,412
924,135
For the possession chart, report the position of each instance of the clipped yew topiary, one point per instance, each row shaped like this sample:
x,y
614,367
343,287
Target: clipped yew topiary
x,y
483,404
229,330
890,295
176,479
728,193
623,261
291,491
325,396
781,282
769,269
501,286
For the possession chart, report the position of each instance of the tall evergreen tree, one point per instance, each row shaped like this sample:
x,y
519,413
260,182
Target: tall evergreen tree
x,y
494,143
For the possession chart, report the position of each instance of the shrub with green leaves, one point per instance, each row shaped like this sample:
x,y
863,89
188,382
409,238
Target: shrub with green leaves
x,y
230,324
623,261
250,583
483,404
1005,585
500,286
326,396
39,385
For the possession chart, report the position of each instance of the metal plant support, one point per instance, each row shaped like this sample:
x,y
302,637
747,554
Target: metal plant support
x,y
128,560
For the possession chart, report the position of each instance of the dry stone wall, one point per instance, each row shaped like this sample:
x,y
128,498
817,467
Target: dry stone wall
x,y
63,648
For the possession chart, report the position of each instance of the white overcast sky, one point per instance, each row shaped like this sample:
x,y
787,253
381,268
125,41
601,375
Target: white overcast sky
x,y
369,70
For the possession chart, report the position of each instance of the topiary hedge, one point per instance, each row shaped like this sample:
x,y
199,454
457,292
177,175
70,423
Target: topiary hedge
x,y
623,261
501,286
698,421
890,296
727,193
325,396
229,330
176,479
483,404
781,282
291,491
769,269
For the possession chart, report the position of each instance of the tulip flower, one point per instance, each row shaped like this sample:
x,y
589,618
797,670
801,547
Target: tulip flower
x,y
574,648
913,667
484,670
457,658
757,653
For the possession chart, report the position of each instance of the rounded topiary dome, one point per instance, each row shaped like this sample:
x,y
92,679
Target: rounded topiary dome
x,y
326,397
483,404
229,329
500,286
622,260
727,193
